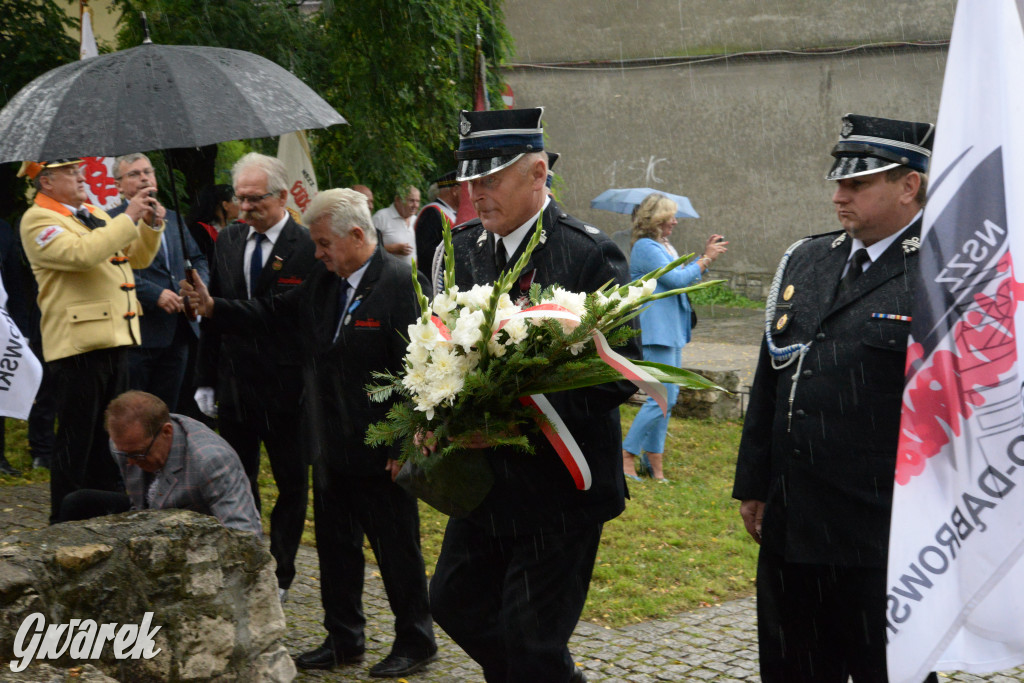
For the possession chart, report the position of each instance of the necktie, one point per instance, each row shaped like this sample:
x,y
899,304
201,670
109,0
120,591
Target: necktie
x,y
860,257
343,288
86,218
256,263
500,257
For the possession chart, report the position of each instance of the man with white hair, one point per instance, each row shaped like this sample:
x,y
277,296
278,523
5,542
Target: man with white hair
x,y
348,320
513,574
251,381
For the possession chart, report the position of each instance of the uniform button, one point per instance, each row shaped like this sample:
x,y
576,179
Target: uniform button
x,y
800,413
820,336
892,342
807,373
796,451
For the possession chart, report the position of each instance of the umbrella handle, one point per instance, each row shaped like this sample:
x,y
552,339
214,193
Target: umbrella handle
x,y
191,309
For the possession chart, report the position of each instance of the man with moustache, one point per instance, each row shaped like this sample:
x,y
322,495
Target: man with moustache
x,y
252,381
349,320
158,364
82,260
818,454
513,575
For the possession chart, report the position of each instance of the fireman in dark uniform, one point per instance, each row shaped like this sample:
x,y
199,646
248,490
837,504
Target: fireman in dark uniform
x,y
818,453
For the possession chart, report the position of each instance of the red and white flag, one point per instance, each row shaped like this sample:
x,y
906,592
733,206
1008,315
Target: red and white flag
x,y
99,171
956,581
293,150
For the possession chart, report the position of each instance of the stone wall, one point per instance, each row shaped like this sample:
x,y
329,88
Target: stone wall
x,y
211,590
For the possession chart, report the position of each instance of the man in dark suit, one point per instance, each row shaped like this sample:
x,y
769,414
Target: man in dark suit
x,y
157,364
818,453
255,379
513,574
349,320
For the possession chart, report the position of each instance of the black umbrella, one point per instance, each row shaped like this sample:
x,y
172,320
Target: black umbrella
x,y
156,97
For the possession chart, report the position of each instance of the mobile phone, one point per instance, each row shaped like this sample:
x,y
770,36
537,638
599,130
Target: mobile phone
x,y
720,239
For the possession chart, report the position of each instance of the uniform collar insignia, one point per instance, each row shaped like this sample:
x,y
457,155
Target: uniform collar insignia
x,y
911,244
482,238
543,236
839,240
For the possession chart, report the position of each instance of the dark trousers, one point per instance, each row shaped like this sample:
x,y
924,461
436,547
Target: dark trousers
x,y
280,434
90,503
161,371
512,602
83,386
820,623
346,508
41,435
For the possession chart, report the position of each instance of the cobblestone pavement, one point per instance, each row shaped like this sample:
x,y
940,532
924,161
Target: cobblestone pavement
x,y
716,644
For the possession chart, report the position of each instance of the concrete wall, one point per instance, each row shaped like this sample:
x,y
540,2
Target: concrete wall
x,y
577,30
748,142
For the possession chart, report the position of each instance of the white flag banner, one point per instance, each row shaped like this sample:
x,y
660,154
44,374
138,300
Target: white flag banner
x,y
955,580
293,150
99,171
20,371
88,48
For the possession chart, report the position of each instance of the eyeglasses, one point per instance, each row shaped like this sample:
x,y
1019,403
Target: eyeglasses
x,y
253,199
133,456
137,174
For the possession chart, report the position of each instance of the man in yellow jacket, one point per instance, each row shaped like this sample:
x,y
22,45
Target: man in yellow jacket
x,y
82,260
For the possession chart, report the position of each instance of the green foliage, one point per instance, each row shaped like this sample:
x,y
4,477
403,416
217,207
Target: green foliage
x,y
722,296
399,71
33,40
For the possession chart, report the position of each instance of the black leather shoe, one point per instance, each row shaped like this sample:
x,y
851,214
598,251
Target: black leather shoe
x,y
577,676
324,657
394,666
7,468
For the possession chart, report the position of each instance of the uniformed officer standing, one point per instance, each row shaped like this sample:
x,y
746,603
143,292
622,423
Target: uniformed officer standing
x,y
513,575
818,453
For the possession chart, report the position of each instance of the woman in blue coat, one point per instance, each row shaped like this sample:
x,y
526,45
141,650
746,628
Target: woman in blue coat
x,y
665,324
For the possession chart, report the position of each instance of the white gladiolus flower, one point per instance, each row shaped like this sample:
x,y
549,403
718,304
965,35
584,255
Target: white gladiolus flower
x,y
477,297
444,303
650,286
574,302
506,308
495,348
424,334
576,348
416,354
467,329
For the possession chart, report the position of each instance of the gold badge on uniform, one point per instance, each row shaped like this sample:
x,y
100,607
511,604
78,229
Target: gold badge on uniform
x,y
781,324
788,293
278,263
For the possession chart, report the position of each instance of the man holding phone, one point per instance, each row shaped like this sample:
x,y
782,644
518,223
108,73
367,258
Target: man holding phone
x,y
82,260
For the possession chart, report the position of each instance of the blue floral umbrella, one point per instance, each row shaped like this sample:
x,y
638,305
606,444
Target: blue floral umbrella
x,y
624,200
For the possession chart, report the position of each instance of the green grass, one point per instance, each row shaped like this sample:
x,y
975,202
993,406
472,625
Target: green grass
x,y
722,296
677,547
